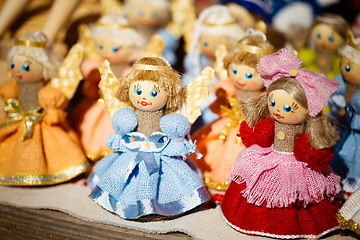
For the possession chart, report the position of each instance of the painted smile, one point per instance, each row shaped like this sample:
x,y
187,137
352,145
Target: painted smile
x,y
19,76
144,104
241,85
278,116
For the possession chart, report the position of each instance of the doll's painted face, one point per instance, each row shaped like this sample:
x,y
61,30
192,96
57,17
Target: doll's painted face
x,y
147,96
24,69
349,70
208,44
114,52
245,77
285,109
145,15
325,38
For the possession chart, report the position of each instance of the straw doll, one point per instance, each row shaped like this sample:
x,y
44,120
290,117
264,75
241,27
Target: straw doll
x,y
346,160
327,34
282,185
146,174
217,141
114,39
37,146
214,26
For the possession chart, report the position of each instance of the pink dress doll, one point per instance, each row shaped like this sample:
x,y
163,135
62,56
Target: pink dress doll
x,y
217,141
120,44
282,185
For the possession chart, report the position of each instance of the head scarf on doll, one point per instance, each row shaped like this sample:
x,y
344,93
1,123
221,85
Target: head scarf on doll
x,y
318,88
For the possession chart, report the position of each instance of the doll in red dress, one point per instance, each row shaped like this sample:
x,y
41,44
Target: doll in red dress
x,y
282,185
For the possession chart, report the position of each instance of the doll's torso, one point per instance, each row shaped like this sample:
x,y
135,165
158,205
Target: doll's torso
x,y
324,61
243,95
148,121
27,94
285,134
350,90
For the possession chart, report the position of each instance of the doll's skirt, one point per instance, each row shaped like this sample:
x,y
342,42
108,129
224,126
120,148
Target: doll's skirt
x,y
51,155
93,124
295,221
279,179
218,156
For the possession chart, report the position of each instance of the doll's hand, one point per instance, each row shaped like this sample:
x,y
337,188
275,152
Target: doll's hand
x,y
54,116
317,159
174,125
264,132
247,134
124,121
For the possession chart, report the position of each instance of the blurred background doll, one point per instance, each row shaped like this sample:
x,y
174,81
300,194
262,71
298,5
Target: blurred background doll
x,y
214,26
114,39
169,19
345,105
218,141
147,173
327,34
37,146
281,184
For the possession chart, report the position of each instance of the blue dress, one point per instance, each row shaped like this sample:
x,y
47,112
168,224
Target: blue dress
x,y
346,161
147,175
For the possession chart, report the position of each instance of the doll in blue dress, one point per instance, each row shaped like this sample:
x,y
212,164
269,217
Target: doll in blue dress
x,y
345,105
148,171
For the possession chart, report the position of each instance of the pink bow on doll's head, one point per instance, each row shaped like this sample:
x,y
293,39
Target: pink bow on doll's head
x,y
318,88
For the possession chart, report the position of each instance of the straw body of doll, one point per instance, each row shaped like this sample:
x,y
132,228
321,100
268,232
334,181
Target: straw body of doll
x,y
214,26
218,141
147,173
282,185
37,146
118,42
328,34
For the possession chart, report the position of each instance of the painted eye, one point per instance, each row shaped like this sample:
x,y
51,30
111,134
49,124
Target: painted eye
x,y
140,13
100,46
216,45
153,93
347,68
248,75
318,35
25,67
330,38
272,103
287,108
204,43
12,65
114,49
234,70
138,91
153,14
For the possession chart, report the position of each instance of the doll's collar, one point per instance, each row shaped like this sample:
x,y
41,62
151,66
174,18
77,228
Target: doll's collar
x,y
113,25
219,24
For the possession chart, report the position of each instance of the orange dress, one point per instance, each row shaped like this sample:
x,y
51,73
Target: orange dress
x,y
90,119
51,154
218,141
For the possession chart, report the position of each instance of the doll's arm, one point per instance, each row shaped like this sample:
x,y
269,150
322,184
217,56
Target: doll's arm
x,y
124,121
174,125
317,159
9,90
262,134
54,101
